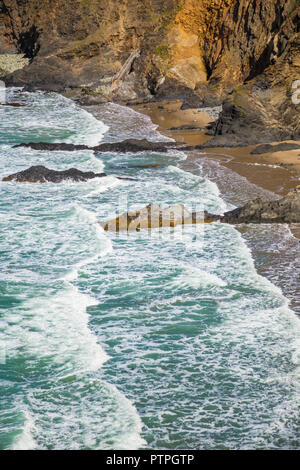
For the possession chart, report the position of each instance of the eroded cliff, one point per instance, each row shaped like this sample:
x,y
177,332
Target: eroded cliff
x,y
205,51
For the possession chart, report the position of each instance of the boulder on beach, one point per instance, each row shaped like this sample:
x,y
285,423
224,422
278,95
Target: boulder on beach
x,y
41,174
154,216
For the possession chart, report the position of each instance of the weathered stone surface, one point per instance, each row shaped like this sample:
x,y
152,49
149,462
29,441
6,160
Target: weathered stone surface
x,y
9,63
154,216
285,210
41,174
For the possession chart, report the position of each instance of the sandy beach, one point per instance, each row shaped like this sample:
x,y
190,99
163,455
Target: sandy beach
x,y
278,172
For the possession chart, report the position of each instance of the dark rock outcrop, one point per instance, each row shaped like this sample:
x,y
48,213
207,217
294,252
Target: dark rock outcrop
x,y
267,148
129,145
285,210
49,146
41,174
134,146
154,216
186,127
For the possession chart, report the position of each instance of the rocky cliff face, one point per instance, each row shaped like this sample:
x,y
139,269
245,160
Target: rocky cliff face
x,y
246,51
266,44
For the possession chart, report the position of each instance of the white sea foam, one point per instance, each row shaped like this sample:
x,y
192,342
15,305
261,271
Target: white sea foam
x,y
103,248
236,346
105,184
174,327
84,413
25,440
55,328
205,193
196,278
50,329
125,123
51,116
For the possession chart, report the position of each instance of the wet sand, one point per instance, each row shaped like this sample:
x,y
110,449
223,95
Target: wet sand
x,y
168,115
278,172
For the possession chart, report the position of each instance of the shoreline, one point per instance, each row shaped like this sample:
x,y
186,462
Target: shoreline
x,y
241,177
277,172
273,174
268,175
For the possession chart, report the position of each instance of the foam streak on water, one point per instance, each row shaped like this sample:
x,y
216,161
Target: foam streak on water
x,y
169,339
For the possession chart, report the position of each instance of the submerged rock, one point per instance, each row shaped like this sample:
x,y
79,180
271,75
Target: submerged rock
x,y
154,216
285,210
41,174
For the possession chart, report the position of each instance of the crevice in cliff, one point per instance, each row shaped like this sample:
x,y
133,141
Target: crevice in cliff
x,y
258,66
235,13
28,43
209,68
296,22
278,17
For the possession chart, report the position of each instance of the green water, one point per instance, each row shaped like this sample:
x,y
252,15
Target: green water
x,y
168,339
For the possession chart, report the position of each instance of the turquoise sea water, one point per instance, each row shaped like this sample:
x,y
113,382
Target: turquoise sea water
x,y
167,340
